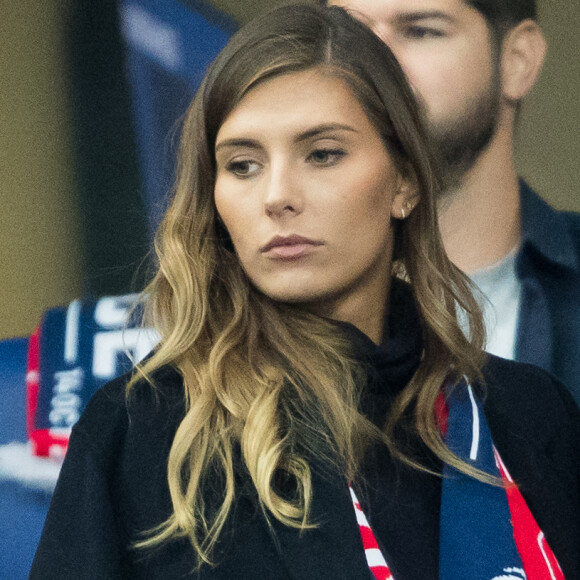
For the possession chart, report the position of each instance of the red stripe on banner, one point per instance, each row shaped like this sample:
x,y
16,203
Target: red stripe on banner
x,y
32,380
43,443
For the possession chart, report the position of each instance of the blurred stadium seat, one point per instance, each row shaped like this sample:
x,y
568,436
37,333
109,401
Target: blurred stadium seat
x,y
169,45
22,508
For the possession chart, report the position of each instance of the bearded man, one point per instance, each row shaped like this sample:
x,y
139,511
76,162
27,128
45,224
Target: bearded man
x,y
471,62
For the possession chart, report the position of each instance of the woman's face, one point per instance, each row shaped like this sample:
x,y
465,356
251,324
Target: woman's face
x,y
307,191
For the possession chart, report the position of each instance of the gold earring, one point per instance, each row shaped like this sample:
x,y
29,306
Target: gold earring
x,y
402,213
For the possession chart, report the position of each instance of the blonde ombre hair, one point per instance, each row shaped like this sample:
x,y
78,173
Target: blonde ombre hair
x,y
269,382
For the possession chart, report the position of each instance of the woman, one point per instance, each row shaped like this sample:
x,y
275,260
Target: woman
x,y
303,403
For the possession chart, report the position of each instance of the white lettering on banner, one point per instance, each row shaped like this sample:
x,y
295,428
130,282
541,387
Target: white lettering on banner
x,y
65,405
108,345
113,311
71,334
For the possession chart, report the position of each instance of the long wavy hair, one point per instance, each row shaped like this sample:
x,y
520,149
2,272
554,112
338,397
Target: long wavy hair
x,y
269,384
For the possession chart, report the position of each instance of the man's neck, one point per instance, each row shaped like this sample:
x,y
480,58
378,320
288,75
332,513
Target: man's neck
x,y
480,220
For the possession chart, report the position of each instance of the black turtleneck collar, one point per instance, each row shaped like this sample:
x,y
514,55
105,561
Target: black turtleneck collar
x,y
392,363
401,503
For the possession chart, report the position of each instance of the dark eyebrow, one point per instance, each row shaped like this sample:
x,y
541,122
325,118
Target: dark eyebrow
x,y
321,129
248,143
410,17
309,134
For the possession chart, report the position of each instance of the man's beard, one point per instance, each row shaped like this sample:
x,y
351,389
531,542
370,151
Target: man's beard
x,y
460,141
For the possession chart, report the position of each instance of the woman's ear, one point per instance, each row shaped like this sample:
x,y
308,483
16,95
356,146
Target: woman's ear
x,y
523,52
406,198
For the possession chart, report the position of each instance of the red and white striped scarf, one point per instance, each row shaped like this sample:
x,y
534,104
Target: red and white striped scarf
x,y
538,560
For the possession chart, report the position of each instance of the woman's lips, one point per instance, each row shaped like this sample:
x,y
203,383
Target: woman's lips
x,y
289,247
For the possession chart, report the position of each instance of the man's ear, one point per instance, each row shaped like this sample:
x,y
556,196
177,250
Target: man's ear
x,y
523,52
406,198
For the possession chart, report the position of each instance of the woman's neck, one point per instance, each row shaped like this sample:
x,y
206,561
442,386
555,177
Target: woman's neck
x,y
368,313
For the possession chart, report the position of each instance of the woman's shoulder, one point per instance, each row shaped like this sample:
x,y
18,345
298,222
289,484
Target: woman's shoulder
x,y
522,398
535,426
526,386
113,410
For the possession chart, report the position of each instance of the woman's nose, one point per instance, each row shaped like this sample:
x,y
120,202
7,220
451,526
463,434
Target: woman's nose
x,y
283,194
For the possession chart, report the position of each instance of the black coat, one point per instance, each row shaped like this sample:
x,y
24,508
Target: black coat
x,y
113,485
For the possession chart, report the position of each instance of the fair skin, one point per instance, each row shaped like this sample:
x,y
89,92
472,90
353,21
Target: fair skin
x,y
308,191
446,49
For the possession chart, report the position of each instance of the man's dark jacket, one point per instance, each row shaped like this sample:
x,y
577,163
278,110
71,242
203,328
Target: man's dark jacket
x,y
548,267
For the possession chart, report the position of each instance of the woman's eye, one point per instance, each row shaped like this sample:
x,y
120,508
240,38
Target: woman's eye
x,y
422,32
326,156
243,168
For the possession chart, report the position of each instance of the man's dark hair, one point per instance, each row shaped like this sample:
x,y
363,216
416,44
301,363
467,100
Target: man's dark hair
x,y
501,15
